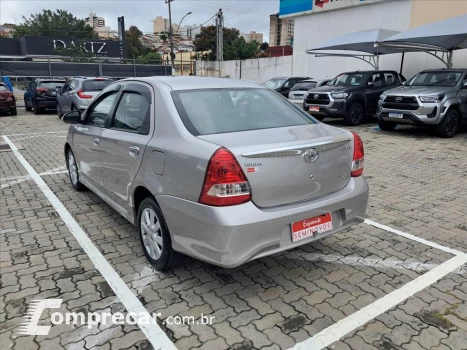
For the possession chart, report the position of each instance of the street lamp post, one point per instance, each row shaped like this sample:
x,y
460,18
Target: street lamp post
x,y
171,38
178,29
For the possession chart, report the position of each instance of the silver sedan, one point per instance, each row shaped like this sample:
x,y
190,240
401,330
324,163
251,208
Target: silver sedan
x,y
223,170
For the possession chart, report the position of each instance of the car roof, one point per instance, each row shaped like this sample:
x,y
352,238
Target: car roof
x,y
49,79
445,70
194,82
307,81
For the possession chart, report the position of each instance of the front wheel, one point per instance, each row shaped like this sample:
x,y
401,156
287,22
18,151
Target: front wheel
x,y
355,115
155,236
37,109
28,108
13,111
73,172
450,125
386,126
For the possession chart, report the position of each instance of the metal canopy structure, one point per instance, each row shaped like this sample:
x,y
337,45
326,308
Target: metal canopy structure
x,y
439,39
363,41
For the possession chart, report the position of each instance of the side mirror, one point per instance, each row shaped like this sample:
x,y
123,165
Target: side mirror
x,y
464,85
370,85
72,117
58,89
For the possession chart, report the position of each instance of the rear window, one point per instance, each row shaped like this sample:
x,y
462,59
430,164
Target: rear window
x,y
95,85
215,111
304,86
4,88
51,84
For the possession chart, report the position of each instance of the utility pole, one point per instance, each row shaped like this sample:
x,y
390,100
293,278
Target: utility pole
x,y
171,38
220,38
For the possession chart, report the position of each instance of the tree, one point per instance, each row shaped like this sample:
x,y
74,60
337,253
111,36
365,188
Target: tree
x,y
163,36
264,46
60,23
152,57
206,41
240,49
133,41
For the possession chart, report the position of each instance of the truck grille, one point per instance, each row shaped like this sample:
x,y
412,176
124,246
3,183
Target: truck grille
x,y
407,103
317,99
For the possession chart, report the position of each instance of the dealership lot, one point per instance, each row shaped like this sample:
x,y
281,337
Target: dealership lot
x,y
313,296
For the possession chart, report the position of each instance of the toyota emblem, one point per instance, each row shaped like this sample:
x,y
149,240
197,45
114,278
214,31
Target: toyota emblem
x,y
398,99
310,155
315,96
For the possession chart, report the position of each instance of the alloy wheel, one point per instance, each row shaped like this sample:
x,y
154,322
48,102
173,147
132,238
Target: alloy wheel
x,y
72,168
356,114
151,233
451,125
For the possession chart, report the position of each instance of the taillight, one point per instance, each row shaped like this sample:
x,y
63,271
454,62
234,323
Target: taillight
x,y
225,183
358,156
41,91
81,94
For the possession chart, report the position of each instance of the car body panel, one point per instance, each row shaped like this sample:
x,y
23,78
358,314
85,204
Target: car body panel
x,y
44,100
173,167
7,99
70,100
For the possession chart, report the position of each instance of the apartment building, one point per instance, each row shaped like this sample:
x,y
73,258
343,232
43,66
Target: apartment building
x,y
95,21
281,30
252,36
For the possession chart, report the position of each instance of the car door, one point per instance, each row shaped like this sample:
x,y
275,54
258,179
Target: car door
x,y
124,141
463,95
373,90
61,98
29,94
87,140
289,83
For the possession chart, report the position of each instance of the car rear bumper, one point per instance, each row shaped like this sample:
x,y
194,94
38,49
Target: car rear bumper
x,y
49,103
7,105
231,236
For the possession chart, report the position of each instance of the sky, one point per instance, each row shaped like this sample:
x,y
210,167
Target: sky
x,y
245,15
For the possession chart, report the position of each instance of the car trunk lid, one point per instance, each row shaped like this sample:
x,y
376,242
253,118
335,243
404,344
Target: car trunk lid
x,y
291,164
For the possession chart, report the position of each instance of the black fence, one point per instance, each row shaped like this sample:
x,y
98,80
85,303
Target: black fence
x,y
55,68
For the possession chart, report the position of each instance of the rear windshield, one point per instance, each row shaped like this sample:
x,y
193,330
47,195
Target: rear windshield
x,y
4,88
275,83
51,84
304,86
95,85
215,111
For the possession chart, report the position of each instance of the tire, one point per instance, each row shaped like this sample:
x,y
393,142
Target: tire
x,y
59,111
73,173
14,111
28,109
386,126
319,118
356,114
155,237
450,125
73,108
37,110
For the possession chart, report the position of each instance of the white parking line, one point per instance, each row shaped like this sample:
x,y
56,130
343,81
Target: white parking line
x,y
153,332
415,238
19,179
335,332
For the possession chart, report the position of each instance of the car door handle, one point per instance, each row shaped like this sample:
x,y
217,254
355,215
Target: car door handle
x,y
133,150
96,141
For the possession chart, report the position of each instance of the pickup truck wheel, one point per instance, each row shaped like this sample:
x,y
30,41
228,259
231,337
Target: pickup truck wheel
x,y
37,109
386,126
450,125
355,115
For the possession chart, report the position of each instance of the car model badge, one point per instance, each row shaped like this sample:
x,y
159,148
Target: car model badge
x,y
310,155
315,96
398,99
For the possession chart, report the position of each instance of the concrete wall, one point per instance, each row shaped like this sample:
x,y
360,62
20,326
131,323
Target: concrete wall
x,y
258,69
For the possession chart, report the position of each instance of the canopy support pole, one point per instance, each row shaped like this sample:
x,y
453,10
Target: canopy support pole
x,y
402,62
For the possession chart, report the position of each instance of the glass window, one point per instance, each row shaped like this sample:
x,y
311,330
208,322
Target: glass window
x,y
376,79
349,79
66,88
304,86
214,111
95,85
3,88
274,83
100,112
390,79
132,114
51,84
436,78
73,84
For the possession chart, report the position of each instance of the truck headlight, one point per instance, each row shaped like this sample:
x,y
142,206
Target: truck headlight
x,y
432,98
340,95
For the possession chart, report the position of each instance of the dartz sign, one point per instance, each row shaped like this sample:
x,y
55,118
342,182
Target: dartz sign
x,y
49,46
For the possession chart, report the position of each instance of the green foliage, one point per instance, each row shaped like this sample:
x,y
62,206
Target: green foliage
x,y
206,42
240,49
152,57
60,23
163,36
135,47
264,46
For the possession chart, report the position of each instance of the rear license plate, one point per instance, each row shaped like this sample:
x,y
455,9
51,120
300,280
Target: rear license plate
x,y
314,109
396,115
310,227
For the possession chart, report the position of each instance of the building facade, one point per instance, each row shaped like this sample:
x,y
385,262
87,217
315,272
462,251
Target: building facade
x,y
95,21
160,24
252,36
281,30
317,21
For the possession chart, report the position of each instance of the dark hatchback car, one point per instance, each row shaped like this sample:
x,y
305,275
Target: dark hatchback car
x,y
351,95
7,100
42,95
283,85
